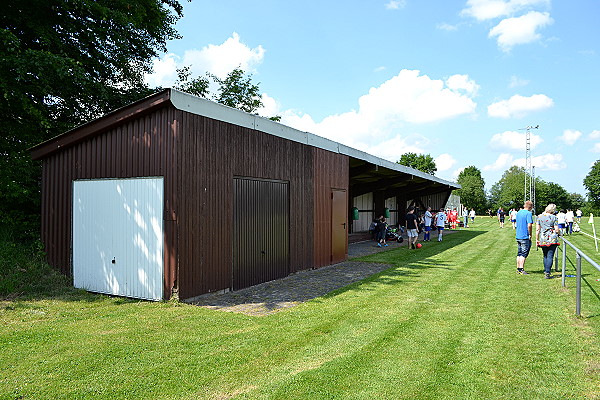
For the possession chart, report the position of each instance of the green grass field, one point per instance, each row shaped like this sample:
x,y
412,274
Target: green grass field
x,y
449,321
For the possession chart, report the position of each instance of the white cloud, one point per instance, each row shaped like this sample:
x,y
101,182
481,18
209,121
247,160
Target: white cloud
x,y
270,107
216,59
519,106
164,73
570,136
447,27
546,162
595,135
517,82
444,162
489,9
392,149
395,4
379,69
520,30
503,161
406,98
459,83
596,148
513,140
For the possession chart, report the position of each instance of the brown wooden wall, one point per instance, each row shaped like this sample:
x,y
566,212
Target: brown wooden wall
x,y
212,153
142,147
198,158
331,172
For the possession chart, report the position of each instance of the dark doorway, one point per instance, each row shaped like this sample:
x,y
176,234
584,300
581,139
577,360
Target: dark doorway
x,y
260,231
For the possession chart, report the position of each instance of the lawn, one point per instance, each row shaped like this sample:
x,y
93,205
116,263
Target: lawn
x,y
449,321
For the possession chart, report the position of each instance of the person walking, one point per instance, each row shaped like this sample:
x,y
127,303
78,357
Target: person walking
x,y
440,222
412,228
523,235
513,218
472,214
546,236
501,216
569,219
466,218
578,214
381,229
428,218
562,221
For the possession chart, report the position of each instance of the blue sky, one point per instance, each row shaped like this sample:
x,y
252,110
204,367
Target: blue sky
x,y
454,79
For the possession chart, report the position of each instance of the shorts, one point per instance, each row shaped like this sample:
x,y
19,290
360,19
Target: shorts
x,y
523,247
561,226
501,219
440,228
427,228
412,233
513,220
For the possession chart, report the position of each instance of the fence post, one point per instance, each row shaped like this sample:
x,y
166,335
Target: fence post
x,y
564,263
578,306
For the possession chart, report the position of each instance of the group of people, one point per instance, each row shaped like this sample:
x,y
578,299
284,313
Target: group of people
x,y
414,224
550,225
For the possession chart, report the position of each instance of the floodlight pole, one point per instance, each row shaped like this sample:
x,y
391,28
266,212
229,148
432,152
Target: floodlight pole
x,y
529,192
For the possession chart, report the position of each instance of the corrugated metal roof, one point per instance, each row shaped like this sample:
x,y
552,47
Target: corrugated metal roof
x,y
210,109
196,105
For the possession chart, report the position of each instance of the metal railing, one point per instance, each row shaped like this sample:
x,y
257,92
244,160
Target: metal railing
x,y
579,255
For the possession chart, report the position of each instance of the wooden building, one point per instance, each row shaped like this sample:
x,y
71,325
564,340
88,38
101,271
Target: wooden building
x,y
179,194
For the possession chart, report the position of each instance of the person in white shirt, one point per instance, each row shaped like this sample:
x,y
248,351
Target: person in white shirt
x,y
472,214
428,217
440,222
579,214
513,217
561,218
569,219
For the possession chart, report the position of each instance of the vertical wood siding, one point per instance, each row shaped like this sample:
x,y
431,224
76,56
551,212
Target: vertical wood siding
x,y
331,171
198,158
142,147
212,153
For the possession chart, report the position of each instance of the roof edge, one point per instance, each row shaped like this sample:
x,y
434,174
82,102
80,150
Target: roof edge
x,y
210,109
101,124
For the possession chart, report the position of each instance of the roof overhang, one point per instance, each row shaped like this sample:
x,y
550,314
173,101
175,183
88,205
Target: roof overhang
x,y
366,170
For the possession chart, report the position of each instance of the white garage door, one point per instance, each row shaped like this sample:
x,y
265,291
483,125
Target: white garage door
x,y
118,237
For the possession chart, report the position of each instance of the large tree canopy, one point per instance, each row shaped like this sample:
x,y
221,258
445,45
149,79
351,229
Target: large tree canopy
x,y
592,184
422,162
63,63
472,193
509,190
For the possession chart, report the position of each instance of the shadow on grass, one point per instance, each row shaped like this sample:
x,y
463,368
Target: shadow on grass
x,y
387,267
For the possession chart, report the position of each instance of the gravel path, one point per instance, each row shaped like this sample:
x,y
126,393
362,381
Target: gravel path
x,y
270,297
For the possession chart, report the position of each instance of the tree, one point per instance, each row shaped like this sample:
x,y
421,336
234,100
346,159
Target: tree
x,y
238,91
422,162
508,191
472,193
577,201
550,192
63,63
592,184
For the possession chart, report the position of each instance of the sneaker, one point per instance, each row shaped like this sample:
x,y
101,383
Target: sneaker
x,y
378,244
547,275
385,245
522,272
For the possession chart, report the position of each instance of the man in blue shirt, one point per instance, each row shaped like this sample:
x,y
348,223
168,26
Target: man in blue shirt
x,y
524,224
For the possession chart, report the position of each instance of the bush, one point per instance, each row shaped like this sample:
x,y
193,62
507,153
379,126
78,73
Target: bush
x,y
23,270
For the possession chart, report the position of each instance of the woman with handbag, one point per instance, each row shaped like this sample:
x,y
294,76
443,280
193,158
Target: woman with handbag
x,y
546,233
